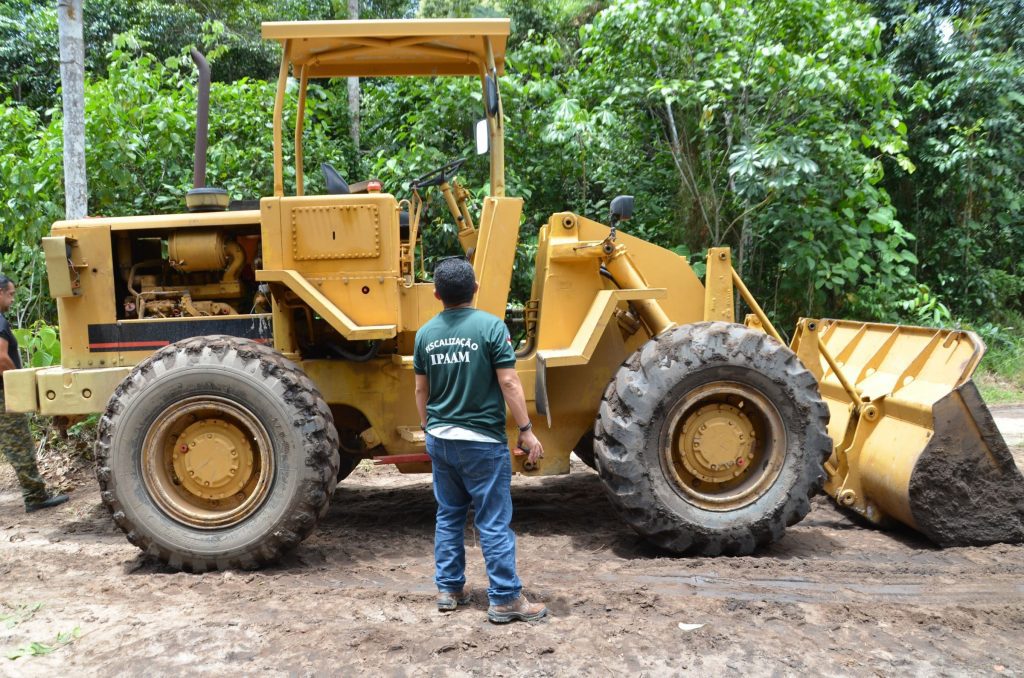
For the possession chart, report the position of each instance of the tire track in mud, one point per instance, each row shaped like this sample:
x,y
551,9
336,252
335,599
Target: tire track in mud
x,y
799,590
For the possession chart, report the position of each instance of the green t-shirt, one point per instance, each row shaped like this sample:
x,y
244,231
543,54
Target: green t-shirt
x,y
458,350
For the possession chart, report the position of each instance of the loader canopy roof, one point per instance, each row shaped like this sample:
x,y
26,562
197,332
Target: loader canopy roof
x,y
331,49
420,47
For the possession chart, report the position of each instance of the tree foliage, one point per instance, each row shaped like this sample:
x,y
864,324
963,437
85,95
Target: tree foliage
x,y
860,160
962,86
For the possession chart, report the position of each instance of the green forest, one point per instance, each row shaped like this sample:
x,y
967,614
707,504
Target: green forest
x,y
862,159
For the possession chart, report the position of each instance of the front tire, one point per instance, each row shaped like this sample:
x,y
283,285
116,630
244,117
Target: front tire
x,y
711,439
216,452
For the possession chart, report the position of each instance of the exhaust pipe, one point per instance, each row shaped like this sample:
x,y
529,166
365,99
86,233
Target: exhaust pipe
x,y
201,198
202,120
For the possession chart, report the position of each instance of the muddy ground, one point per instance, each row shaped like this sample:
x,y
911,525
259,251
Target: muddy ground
x,y
831,598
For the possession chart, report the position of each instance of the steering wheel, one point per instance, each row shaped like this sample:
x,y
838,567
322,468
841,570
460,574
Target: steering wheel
x,y
438,176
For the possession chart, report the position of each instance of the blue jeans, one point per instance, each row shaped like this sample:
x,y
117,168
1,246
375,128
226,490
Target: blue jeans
x,y
480,474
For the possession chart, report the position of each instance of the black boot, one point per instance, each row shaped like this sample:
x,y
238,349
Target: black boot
x,y
50,502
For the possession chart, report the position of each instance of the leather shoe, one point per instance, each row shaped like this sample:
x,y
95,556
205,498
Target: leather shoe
x,y
449,600
50,502
519,609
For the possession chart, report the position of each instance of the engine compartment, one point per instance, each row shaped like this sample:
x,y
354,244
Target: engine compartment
x,y
189,273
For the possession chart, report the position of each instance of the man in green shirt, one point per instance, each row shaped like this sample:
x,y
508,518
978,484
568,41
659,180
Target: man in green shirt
x,y
465,376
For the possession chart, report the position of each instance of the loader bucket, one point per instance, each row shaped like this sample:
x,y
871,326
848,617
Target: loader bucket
x,y
913,440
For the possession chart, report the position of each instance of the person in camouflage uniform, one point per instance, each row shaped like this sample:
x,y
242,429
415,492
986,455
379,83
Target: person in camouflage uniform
x,y
15,438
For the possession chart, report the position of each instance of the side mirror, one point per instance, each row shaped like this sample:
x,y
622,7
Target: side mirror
x,y
483,137
491,90
622,208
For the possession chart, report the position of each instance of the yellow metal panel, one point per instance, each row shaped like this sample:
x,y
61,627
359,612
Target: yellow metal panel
x,y
20,393
326,307
341,227
271,235
63,279
574,393
381,390
418,305
381,48
718,291
568,284
65,392
592,328
496,252
159,222
284,329
95,303
335,232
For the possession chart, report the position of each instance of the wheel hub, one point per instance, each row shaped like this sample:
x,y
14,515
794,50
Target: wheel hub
x,y
723,445
717,443
207,462
213,459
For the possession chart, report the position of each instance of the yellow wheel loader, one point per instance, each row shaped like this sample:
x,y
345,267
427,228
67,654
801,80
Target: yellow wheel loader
x,y
246,355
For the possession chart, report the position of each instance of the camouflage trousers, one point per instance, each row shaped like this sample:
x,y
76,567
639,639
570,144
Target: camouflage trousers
x,y
16,442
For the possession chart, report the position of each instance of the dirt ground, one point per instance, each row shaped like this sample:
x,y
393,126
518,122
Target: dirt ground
x,y
831,598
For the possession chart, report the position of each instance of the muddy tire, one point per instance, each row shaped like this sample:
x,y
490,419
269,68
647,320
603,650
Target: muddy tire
x,y
711,439
215,453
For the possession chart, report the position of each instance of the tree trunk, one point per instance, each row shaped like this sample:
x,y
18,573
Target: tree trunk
x,y
353,89
72,78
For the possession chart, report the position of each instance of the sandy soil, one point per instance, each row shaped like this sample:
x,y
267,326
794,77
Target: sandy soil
x,y
832,598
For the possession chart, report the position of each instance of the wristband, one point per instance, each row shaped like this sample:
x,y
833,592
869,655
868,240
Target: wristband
x,y
527,427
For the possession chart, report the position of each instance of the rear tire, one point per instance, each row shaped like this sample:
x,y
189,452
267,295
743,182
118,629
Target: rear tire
x,y
216,452
711,438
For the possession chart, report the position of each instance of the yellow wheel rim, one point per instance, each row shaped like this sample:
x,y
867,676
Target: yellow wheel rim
x,y
724,445
207,462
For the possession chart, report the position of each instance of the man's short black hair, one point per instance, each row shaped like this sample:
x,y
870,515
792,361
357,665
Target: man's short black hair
x,y
454,281
5,281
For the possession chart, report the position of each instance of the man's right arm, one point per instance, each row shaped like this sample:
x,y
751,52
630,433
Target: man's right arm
x,y
5,360
422,397
512,390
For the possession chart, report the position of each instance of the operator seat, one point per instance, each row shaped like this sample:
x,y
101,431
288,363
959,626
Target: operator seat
x,y
333,181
